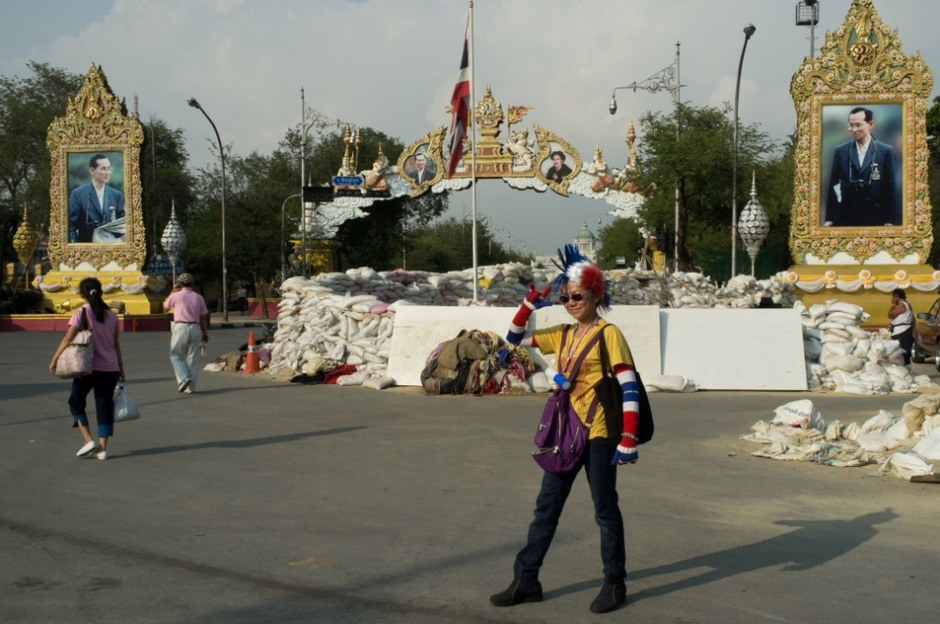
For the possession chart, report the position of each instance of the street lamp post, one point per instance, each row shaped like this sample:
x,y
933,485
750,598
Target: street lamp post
x,y
807,14
283,238
192,102
666,79
749,31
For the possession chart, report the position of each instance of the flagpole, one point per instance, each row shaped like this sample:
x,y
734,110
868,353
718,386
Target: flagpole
x,y
473,161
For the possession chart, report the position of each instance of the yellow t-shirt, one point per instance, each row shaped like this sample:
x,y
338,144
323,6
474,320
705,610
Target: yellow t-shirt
x,y
582,388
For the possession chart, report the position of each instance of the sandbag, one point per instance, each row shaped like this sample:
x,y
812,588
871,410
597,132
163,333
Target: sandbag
x,y
799,413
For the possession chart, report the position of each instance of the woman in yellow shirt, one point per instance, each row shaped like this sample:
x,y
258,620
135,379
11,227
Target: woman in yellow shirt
x,y
584,292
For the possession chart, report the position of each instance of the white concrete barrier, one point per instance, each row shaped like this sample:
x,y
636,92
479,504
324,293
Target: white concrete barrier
x,y
735,349
418,329
717,348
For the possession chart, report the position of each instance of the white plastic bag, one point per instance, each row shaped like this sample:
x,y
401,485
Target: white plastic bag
x,y
125,408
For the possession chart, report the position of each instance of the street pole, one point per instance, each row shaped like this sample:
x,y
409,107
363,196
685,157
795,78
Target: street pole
x,y
192,102
284,237
666,79
749,31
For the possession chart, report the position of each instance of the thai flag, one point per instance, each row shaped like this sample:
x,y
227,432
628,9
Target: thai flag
x,y
460,103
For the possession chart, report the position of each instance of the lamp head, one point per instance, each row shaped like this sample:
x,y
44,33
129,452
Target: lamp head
x,y
613,105
192,102
749,31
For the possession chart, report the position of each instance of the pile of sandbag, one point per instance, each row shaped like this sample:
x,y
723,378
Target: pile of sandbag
x,y
318,330
841,356
506,285
903,446
346,318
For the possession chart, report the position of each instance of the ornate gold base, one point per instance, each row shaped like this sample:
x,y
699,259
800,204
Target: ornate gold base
x,y
129,292
867,286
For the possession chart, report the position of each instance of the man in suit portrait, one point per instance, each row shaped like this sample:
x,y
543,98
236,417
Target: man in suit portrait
x,y
423,172
97,204
862,187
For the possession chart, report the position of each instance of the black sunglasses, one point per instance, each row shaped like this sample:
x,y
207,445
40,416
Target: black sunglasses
x,y
574,297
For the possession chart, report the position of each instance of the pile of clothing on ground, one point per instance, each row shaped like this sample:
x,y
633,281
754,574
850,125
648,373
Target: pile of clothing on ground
x,y
479,362
902,446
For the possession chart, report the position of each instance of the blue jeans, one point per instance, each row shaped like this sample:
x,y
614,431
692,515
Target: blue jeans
x,y
602,478
103,383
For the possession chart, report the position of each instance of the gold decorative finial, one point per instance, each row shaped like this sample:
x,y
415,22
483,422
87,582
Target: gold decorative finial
x,y
26,238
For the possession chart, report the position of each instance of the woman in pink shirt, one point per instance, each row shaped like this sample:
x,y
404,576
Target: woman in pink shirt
x,y
107,368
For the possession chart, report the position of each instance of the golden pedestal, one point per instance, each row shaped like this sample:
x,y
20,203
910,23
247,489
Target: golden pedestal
x,y
867,286
129,292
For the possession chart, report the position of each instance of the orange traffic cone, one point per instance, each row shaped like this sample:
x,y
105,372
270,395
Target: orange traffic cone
x,y
252,364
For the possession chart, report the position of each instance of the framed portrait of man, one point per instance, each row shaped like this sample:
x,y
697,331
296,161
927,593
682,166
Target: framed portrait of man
x,y
97,209
95,217
861,190
420,167
862,165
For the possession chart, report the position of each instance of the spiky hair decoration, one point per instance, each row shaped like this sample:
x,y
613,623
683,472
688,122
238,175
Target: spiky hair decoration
x,y
577,269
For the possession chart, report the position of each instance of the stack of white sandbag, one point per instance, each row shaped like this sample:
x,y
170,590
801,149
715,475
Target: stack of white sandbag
x,y
902,446
841,356
318,330
338,317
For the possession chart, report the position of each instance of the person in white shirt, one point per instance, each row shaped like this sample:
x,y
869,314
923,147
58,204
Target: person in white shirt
x,y
902,322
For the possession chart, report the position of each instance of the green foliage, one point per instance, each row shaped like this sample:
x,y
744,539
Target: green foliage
x,y
624,238
165,178
700,164
447,245
27,107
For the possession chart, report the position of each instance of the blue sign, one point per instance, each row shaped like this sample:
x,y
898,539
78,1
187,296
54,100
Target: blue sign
x,y
161,264
348,181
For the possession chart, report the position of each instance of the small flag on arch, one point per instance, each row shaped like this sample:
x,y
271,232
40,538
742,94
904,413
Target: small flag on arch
x,y
460,103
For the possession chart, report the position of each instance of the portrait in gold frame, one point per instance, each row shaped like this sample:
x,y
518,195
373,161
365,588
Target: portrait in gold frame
x,y
96,122
861,64
427,148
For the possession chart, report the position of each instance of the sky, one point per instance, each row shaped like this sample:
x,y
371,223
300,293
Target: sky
x,y
391,65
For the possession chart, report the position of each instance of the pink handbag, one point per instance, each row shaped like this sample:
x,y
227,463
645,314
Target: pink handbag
x,y
76,360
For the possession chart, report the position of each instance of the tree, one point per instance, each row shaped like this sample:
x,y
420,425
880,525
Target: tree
x,y
699,164
165,177
27,107
447,245
624,238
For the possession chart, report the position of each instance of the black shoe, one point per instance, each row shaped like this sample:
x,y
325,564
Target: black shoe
x,y
519,591
612,595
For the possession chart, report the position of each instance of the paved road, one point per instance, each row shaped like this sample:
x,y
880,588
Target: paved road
x,y
255,501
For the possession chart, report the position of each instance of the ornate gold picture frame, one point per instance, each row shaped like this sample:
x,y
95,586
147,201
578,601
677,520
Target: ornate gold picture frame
x,y
96,125
558,162
861,66
422,163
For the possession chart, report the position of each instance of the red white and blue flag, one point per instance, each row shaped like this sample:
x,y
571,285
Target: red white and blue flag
x,y
460,103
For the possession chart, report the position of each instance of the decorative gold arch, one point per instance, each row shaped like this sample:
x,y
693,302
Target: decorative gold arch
x,y
521,161
861,64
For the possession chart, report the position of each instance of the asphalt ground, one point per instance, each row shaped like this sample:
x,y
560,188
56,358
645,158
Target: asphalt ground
x,y
256,501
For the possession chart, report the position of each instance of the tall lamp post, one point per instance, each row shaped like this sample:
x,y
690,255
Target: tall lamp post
x,y
749,31
283,239
668,80
192,102
807,14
